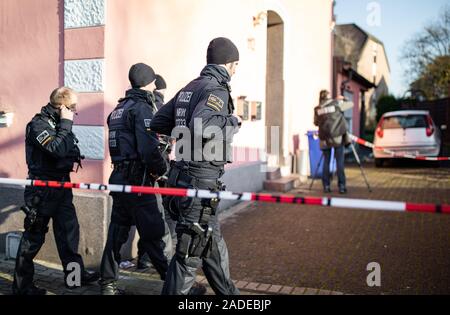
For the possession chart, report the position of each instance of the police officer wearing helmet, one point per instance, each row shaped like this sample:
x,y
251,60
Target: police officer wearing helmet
x,y
51,152
137,161
204,103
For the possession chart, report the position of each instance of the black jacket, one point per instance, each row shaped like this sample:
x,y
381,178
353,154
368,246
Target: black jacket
x,y
159,99
207,97
330,119
130,137
51,147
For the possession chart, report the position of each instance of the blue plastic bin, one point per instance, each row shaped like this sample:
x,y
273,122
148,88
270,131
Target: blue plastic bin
x,y
315,154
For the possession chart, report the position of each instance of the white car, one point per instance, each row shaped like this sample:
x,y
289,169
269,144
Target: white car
x,y
403,132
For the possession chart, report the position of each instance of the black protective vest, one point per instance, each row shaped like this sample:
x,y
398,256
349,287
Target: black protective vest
x,y
122,140
331,121
188,98
186,102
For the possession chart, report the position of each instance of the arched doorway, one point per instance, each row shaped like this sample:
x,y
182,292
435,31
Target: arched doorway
x,y
275,85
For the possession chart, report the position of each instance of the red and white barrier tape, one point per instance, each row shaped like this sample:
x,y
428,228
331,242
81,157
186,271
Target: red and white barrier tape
x,y
361,204
394,154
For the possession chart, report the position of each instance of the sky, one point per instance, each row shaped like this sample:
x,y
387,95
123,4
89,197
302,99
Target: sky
x,y
398,20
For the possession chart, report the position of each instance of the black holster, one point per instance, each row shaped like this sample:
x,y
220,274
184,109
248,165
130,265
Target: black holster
x,y
33,223
134,172
195,241
176,206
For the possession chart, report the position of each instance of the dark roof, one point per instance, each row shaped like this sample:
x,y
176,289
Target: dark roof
x,y
356,77
350,41
360,79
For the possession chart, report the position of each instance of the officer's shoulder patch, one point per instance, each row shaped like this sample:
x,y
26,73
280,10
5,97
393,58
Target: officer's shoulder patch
x,y
215,102
44,135
147,123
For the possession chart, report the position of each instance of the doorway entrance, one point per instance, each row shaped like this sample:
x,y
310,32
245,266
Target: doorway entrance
x,y
275,86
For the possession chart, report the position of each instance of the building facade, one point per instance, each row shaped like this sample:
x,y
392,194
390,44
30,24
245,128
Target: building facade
x,y
89,45
368,57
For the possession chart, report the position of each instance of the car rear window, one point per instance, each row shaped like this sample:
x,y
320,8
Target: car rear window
x,y
405,122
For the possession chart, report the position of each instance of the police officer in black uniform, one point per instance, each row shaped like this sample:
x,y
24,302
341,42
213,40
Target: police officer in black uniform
x,y
204,103
159,91
143,261
51,151
137,161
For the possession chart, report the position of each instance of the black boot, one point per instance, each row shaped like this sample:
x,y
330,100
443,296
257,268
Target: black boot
x,y
197,289
342,190
327,189
144,262
111,289
32,290
89,276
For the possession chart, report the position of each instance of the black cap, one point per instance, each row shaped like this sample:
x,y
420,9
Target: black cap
x,y
160,83
221,51
141,75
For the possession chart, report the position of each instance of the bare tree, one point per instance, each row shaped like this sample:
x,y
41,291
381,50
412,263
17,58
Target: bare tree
x,y
428,46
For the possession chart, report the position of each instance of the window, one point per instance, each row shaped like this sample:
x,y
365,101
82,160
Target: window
x,y
405,122
245,114
258,111
242,107
248,110
6,119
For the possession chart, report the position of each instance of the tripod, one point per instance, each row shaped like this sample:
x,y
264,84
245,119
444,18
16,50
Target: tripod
x,y
358,160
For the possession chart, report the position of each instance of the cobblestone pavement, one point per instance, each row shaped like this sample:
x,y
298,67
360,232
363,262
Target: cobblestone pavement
x,y
309,250
134,282
330,248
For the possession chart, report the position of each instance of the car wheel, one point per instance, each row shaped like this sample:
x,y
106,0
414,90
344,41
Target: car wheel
x,y
379,162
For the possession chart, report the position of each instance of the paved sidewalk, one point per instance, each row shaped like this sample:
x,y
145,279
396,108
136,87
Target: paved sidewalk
x,y
134,282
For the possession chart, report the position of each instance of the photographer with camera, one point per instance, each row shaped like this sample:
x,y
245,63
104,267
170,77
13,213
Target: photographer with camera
x,y
329,117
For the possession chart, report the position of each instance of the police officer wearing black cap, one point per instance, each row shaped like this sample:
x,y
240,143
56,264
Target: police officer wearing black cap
x,y
160,89
205,102
137,161
51,152
143,261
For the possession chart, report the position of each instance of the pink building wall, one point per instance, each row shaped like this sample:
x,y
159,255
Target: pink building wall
x,y
33,47
171,36
31,63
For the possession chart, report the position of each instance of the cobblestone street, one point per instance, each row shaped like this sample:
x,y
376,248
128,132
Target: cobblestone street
x,y
330,248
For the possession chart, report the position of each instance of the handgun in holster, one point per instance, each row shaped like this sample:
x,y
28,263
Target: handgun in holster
x,y
196,241
31,213
32,222
178,177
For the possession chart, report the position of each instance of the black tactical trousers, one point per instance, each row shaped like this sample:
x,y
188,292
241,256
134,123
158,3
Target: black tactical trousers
x,y
169,232
142,211
182,269
55,204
